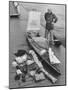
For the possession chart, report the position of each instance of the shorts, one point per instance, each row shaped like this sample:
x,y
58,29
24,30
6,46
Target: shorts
x,y
49,26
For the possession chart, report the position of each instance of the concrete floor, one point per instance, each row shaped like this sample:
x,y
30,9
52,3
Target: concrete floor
x,y
17,41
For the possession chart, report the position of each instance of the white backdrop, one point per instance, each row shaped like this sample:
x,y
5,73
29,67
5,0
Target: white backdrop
x,y
4,43
34,21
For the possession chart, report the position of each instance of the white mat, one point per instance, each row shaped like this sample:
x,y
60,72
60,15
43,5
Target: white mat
x,y
34,21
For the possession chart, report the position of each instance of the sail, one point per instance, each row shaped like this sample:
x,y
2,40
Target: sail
x,y
34,21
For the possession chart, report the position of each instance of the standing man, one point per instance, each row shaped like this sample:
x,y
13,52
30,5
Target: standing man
x,y
50,20
17,6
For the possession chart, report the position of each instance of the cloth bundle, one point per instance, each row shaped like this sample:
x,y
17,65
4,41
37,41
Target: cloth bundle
x,y
39,76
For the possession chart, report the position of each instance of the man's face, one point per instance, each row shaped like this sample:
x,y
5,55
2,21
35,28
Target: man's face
x,y
49,11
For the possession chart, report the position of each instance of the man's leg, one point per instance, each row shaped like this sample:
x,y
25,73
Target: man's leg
x,y
51,37
46,33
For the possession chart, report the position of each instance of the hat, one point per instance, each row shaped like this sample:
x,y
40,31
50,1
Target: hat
x,y
20,53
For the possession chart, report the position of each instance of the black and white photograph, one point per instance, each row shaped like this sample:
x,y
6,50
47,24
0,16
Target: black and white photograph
x,y
37,44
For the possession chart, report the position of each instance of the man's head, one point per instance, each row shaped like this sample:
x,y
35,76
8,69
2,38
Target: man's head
x,y
49,11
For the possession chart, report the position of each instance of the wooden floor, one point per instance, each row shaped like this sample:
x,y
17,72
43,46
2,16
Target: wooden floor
x,y
18,41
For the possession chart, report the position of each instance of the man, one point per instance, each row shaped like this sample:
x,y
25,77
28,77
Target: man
x,y
50,20
17,6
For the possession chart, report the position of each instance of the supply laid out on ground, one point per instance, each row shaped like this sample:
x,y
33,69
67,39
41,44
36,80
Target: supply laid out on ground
x,y
25,66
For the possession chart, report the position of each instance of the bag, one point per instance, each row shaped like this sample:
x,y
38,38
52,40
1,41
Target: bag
x,y
39,77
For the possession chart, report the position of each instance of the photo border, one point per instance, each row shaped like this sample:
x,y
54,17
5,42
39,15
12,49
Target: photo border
x,y
65,43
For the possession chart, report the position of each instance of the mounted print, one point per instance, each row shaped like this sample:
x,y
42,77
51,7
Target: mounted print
x,y
37,44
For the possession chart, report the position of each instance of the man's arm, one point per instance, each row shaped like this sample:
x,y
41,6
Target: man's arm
x,y
55,19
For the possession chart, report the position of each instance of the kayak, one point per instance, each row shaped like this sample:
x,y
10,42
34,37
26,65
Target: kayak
x,y
43,56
